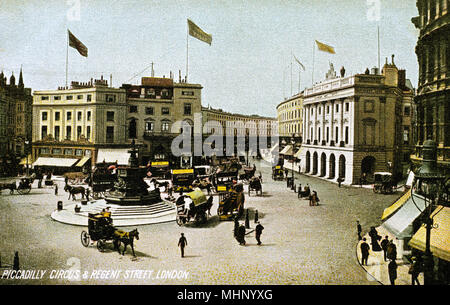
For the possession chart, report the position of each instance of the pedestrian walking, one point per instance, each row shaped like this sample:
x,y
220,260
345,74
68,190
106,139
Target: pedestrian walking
x,y
374,239
358,226
258,231
241,235
414,270
16,265
182,242
391,250
56,189
339,181
384,246
256,216
315,199
392,269
247,221
364,252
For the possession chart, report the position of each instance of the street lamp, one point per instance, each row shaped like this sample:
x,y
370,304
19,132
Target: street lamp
x,y
26,154
293,145
428,182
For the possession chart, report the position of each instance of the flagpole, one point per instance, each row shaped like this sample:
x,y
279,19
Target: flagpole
x,y
378,32
291,71
187,52
312,76
67,55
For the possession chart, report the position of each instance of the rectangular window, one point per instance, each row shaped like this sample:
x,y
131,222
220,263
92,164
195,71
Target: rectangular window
x,y
187,109
68,132
57,133
407,111
405,134
44,151
328,134
165,126
57,116
79,97
110,116
133,109
187,93
44,116
57,97
56,151
78,152
149,110
110,98
69,116
346,134
165,110
347,107
149,126
69,97
43,132
68,151
336,136
337,107
78,132
328,109
88,115
89,97
79,115
44,98
88,132
110,134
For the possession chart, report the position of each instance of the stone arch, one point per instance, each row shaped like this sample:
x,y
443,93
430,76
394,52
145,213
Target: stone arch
x,y
342,166
323,165
315,163
308,162
332,167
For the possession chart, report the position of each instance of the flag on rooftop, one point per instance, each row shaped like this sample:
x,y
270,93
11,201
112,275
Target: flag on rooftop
x,y
197,32
298,61
325,48
78,45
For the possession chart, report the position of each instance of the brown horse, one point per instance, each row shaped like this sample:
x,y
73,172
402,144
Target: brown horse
x,y
75,190
127,238
10,186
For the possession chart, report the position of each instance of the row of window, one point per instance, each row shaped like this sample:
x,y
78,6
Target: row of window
x,y
164,110
327,135
57,132
67,97
44,115
65,151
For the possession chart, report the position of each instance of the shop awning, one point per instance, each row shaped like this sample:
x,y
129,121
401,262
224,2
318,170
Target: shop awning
x,y
58,162
400,224
439,237
297,154
287,150
397,205
83,161
24,161
111,155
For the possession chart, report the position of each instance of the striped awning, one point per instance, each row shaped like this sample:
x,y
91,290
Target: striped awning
x,y
439,237
397,205
83,161
58,162
297,154
111,155
288,150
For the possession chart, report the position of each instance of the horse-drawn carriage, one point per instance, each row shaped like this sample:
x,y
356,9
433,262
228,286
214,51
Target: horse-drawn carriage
x,y
24,186
101,230
277,172
160,169
249,172
182,179
102,179
223,181
255,185
231,203
193,206
383,183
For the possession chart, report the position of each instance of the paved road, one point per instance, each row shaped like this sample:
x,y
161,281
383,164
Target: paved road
x,y
301,244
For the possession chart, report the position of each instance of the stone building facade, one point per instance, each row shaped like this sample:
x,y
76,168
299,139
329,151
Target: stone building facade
x,y
76,123
433,91
289,115
354,125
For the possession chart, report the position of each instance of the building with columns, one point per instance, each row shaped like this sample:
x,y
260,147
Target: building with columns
x,y
356,124
433,91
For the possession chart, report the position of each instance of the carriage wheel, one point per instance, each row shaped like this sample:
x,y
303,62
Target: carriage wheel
x,y
85,239
24,190
179,222
101,244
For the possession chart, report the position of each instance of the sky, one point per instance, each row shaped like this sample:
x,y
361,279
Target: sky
x,y
248,68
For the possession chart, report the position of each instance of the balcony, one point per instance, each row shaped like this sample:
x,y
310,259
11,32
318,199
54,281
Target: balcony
x,y
154,134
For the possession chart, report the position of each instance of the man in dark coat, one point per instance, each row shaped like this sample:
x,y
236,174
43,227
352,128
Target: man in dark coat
x,y
182,242
241,235
258,231
392,268
358,226
364,252
384,246
415,270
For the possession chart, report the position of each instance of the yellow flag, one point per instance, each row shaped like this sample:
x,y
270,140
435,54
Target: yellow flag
x,y
198,33
325,48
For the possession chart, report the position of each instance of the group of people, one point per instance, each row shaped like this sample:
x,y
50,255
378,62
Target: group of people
x,y
389,254
306,192
240,230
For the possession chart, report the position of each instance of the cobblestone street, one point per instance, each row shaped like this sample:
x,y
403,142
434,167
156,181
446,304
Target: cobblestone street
x,y
301,244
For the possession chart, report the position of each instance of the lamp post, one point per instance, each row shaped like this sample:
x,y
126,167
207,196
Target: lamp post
x,y
293,145
429,182
26,154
